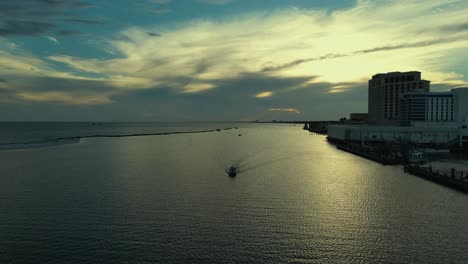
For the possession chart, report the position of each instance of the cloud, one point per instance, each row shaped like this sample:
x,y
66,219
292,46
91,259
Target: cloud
x,y
198,87
215,2
84,21
160,1
278,44
288,110
264,94
408,45
149,7
62,97
31,28
153,34
297,55
69,32
35,17
158,10
53,40
300,61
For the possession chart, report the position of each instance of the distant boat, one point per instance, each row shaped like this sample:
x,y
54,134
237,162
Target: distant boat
x,y
232,172
416,157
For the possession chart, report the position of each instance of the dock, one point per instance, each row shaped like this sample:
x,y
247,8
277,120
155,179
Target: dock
x,y
371,154
454,179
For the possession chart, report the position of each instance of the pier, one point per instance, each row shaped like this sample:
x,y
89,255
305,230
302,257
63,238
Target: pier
x,y
454,178
371,153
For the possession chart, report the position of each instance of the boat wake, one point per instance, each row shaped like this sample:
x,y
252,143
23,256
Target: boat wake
x,y
251,162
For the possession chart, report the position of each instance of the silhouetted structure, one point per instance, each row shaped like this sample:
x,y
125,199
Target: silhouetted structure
x,y
422,106
385,90
359,117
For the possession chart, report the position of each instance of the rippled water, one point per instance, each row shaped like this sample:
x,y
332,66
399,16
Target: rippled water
x,y
167,199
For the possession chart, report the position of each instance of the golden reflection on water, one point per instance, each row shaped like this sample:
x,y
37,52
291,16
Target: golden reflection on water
x,y
168,197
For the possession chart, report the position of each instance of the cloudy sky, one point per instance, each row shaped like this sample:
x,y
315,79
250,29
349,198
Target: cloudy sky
x,y
214,60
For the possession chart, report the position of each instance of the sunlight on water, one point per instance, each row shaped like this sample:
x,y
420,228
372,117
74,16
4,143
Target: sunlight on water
x,y
168,199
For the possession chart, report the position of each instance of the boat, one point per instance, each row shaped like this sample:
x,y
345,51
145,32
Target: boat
x,y
416,157
232,172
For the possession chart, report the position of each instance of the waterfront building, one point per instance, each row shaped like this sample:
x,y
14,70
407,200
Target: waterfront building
x,y
437,107
428,135
461,105
429,107
385,90
463,138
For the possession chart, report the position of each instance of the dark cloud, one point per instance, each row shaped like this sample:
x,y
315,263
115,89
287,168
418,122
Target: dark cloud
x,y
158,10
37,17
84,21
69,32
300,61
232,100
73,86
153,34
30,28
65,3
443,87
3,80
215,2
418,44
455,28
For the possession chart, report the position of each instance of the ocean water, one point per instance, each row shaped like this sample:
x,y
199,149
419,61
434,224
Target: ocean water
x,y
17,135
167,199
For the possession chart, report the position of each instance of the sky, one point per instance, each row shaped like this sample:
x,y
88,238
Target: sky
x,y
218,60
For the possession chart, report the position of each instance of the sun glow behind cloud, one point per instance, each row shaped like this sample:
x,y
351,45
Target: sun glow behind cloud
x,y
288,110
264,94
346,46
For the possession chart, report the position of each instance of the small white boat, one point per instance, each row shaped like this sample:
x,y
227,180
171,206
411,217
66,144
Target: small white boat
x,y
232,172
416,157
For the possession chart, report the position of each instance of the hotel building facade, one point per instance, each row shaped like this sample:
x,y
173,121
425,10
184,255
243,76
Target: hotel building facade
x,y
385,90
435,107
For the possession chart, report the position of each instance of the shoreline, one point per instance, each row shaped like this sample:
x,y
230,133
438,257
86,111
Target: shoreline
x,y
76,139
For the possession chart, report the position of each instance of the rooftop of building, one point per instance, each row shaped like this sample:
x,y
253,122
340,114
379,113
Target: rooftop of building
x,y
389,74
428,94
435,94
464,89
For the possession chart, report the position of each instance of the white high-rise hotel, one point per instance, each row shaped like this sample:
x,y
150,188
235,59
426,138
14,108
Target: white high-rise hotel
x,y
403,109
385,90
403,98
422,107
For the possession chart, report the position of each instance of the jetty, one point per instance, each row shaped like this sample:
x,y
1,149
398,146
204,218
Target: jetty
x,y
371,153
454,178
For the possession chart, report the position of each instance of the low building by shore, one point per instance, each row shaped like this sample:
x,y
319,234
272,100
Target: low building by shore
x,y
417,135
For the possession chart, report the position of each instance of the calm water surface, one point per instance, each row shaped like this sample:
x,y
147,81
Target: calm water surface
x,y
167,199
